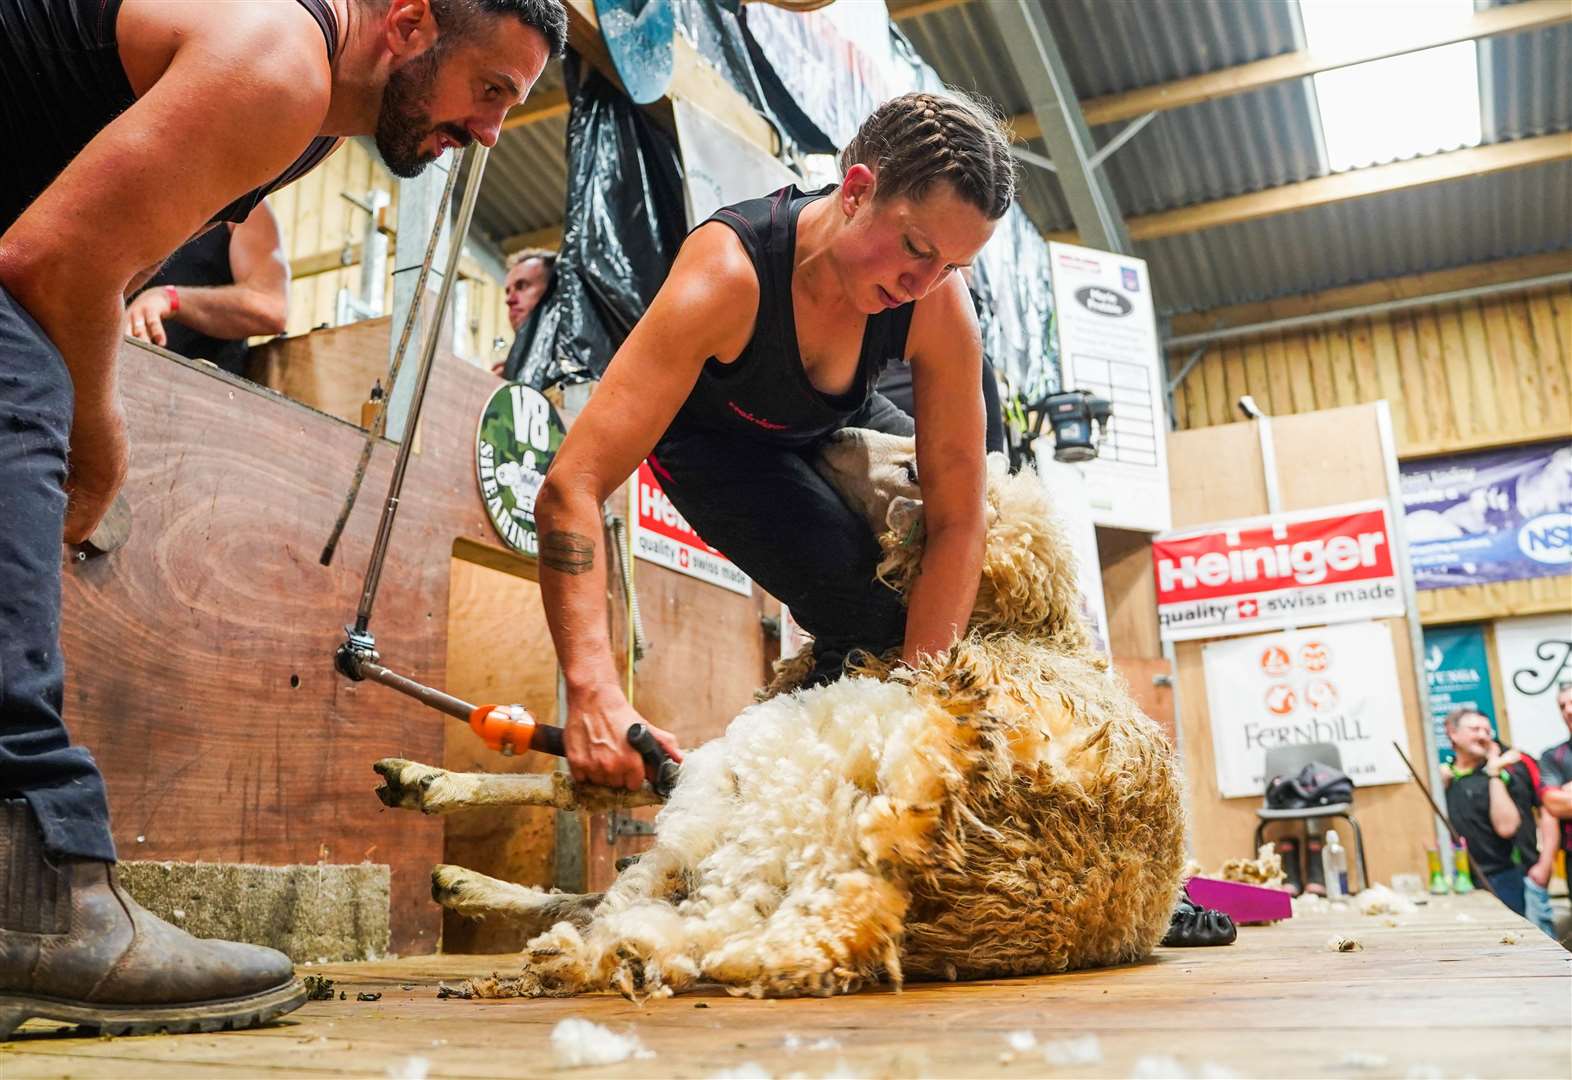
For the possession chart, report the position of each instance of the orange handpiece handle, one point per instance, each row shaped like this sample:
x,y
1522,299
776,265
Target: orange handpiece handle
x,y
509,729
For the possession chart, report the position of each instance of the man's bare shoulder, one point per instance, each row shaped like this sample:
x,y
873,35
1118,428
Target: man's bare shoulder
x,y
274,47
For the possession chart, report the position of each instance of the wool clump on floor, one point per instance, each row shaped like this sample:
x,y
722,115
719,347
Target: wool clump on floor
x,y
576,1042
1002,809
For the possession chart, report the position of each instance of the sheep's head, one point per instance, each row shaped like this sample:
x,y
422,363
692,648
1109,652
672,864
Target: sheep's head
x,y
876,475
1028,574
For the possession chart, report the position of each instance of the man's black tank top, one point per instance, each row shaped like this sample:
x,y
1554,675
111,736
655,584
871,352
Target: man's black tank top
x,y
203,262
765,393
61,83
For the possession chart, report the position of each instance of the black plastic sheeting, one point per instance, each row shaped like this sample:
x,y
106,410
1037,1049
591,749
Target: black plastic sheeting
x,y
823,79
625,220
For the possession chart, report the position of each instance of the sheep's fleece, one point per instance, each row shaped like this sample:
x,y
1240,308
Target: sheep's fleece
x,y
1003,810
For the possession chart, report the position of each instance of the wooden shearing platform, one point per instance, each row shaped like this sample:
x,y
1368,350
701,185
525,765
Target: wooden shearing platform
x,y
1414,1001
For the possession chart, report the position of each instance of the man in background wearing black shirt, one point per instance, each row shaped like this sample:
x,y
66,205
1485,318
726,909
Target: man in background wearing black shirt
x,y
1490,800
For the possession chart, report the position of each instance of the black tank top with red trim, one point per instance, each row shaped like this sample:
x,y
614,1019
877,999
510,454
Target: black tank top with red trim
x,y
61,83
765,393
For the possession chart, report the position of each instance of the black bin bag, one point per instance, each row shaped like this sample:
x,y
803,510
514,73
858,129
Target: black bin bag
x,y
625,220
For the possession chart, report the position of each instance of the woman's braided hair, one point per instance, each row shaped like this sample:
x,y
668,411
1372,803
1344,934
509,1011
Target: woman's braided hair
x,y
916,140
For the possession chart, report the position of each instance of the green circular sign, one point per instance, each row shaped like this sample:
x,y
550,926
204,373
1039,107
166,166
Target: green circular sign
x,y
519,434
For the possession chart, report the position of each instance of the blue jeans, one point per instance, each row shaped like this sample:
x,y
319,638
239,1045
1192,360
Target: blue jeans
x,y
1508,886
60,782
1537,907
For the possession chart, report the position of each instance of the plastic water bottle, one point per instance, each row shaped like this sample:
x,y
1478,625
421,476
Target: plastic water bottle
x,y
1334,866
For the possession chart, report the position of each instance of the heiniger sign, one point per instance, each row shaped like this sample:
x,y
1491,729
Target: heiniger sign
x,y
1307,568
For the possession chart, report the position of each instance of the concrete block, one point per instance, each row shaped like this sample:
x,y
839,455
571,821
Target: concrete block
x,y
309,912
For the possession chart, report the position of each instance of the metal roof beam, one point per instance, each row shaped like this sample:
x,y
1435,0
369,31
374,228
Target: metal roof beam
x,y
1041,70
1340,187
1472,276
911,9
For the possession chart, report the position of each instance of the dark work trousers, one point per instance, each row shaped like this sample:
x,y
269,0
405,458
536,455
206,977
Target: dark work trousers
x,y
1509,889
37,762
765,508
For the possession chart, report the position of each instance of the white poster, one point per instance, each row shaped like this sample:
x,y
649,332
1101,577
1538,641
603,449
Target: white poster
x,y
1108,345
1535,653
719,168
1337,684
1068,499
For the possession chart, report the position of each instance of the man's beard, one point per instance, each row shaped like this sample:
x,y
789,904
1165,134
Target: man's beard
x,y
403,123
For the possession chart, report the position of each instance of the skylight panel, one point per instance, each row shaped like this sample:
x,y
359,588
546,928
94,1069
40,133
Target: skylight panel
x,y
1402,107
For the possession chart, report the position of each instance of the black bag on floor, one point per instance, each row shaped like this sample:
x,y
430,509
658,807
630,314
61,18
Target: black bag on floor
x,y
1316,785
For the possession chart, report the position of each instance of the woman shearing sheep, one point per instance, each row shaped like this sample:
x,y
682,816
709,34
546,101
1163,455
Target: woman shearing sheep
x,y
766,338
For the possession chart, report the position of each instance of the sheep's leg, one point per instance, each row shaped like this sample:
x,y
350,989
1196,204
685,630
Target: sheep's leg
x,y
410,785
477,896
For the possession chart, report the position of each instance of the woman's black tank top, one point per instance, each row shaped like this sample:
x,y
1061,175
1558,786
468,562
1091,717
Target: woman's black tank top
x,y
61,83
765,393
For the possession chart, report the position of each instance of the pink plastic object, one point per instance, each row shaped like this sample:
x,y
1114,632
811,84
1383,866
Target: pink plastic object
x,y
1246,904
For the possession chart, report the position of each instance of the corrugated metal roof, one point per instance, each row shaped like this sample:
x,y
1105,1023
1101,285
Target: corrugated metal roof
x,y
1526,83
1267,138
1521,212
1247,142
1207,151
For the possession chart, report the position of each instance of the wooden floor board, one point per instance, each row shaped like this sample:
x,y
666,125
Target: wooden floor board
x,y
1277,1003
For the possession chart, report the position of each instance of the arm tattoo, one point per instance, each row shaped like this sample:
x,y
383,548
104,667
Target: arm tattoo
x,y
567,552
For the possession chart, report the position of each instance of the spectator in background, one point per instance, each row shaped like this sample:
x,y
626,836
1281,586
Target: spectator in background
x,y
531,274
1490,799
1537,840
228,284
1555,774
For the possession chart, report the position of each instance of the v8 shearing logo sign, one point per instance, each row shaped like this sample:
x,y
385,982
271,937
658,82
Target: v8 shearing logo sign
x,y
520,433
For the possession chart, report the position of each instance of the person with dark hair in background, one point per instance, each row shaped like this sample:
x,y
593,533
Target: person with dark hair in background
x,y
1555,775
531,276
216,291
133,126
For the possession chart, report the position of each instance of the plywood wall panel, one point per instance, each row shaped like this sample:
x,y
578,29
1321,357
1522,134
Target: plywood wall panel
x,y
1323,458
1478,373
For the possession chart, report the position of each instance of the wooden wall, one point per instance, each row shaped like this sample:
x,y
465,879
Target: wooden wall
x,y
1323,458
315,220
199,656
1457,377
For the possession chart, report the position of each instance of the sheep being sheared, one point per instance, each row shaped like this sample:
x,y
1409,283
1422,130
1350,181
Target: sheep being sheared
x,y
1004,809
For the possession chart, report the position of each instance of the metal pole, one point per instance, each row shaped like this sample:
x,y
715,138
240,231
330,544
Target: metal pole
x,y
1385,307
1035,55
1416,634
1274,496
476,153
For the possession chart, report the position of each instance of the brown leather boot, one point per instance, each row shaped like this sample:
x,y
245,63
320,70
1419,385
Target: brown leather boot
x,y
75,948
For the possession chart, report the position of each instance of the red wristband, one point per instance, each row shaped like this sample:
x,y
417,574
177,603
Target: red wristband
x,y
174,298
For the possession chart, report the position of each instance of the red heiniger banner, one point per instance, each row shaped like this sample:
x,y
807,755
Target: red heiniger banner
x,y
1309,567
663,536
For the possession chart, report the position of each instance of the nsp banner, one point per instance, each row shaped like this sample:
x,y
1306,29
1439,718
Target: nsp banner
x,y
1335,684
1489,515
663,536
1332,564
